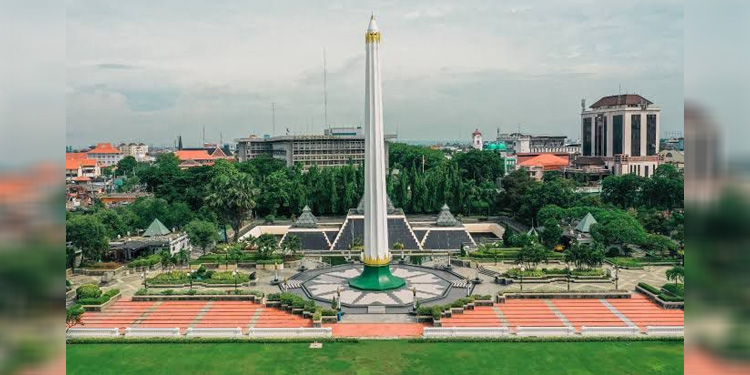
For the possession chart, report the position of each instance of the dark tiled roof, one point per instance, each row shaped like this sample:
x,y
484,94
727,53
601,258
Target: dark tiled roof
x,y
310,240
615,100
446,239
398,231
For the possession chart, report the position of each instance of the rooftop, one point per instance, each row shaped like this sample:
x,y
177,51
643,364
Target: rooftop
x,y
617,100
104,148
193,155
545,160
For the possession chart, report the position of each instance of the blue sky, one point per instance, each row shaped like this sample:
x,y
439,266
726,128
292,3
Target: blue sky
x,y
149,71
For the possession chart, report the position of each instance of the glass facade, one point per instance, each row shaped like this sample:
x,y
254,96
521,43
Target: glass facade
x,y
617,137
635,135
606,130
587,136
651,138
599,144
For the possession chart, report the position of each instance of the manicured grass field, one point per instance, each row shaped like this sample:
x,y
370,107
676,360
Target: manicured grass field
x,y
379,357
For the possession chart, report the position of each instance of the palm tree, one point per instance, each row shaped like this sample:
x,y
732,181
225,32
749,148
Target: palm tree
x,y
292,244
166,259
182,257
233,196
676,274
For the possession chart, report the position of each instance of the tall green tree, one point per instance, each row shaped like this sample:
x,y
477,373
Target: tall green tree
x,y
126,166
201,234
233,197
87,233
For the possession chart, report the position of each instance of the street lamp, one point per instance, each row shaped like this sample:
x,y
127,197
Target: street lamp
x,y
617,277
468,287
275,272
522,271
234,274
190,277
338,298
145,285
414,297
567,268
285,284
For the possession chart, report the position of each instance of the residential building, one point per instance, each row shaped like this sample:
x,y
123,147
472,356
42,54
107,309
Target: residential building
x,y
538,165
105,153
81,170
518,143
194,158
623,131
336,147
137,150
673,157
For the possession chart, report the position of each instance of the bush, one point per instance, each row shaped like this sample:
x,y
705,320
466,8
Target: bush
x,y
676,289
650,288
274,297
225,278
424,310
199,292
516,273
329,312
145,261
101,299
437,312
482,297
167,278
87,291
626,262
317,316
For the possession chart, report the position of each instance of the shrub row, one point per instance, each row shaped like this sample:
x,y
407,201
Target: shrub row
x,y
101,299
676,289
207,277
198,292
148,261
662,296
203,340
437,311
297,302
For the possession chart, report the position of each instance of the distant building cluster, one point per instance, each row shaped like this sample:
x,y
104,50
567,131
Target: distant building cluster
x,y
336,147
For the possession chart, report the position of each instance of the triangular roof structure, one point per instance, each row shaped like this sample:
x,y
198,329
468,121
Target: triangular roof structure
x,y
585,224
306,219
361,206
533,232
156,229
445,218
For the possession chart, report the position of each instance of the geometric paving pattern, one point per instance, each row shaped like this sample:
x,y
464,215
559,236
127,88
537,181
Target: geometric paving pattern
x,y
326,286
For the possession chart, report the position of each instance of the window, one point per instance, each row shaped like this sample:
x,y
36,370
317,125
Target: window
x,y
651,135
617,136
587,136
646,168
635,135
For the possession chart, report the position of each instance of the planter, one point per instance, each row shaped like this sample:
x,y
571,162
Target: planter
x,y
437,323
197,297
659,301
246,265
457,310
317,323
273,303
424,318
270,267
293,263
330,319
470,306
481,302
448,314
297,311
501,298
103,306
100,271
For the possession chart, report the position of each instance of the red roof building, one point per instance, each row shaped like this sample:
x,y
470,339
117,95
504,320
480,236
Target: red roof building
x,y
543,163
194,158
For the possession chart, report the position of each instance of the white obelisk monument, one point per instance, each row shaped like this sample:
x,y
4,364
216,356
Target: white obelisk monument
x,y
376,255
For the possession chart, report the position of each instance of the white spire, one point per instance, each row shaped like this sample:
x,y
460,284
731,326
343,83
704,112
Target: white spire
x,y
373,26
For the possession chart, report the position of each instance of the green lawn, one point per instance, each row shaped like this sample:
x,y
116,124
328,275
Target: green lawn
x,y
379,357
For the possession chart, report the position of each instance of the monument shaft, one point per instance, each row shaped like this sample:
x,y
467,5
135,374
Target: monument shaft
x,y
376,255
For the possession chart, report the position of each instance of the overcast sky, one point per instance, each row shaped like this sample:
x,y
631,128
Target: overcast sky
x,y
151,70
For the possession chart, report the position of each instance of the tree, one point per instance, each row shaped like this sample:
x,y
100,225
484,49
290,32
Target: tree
x,y
531,255
114,224
267,245
619,231
622,191
292,244
515,185
551,234
126,166
182,257
232,197
508,234
202,234
165,259
676,274
660,244
275,194
585,255
480,166
87,233
73,316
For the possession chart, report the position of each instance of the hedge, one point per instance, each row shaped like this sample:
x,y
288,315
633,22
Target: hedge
x,y
101,299
198,292
203,340
88,291
676,289
148,261
650,288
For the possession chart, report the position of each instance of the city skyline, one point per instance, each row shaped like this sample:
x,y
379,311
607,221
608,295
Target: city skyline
x,y
495,65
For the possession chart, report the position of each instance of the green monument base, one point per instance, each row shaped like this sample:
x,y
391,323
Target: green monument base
x,y
376,278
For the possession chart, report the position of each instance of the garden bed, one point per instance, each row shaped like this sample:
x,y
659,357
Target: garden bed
x,y
501,297
199,295
659,298
106,300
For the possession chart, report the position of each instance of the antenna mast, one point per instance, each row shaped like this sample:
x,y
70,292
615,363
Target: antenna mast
x,y
325,90
273,118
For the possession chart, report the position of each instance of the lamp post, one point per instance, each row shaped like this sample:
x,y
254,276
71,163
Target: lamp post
x,y
617,278
286,287
338,299
468,287
414,297
190,277
234,274
275,272
145,285
567,268
522,271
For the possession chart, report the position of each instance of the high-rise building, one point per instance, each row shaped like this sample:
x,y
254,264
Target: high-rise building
x,y
623,131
